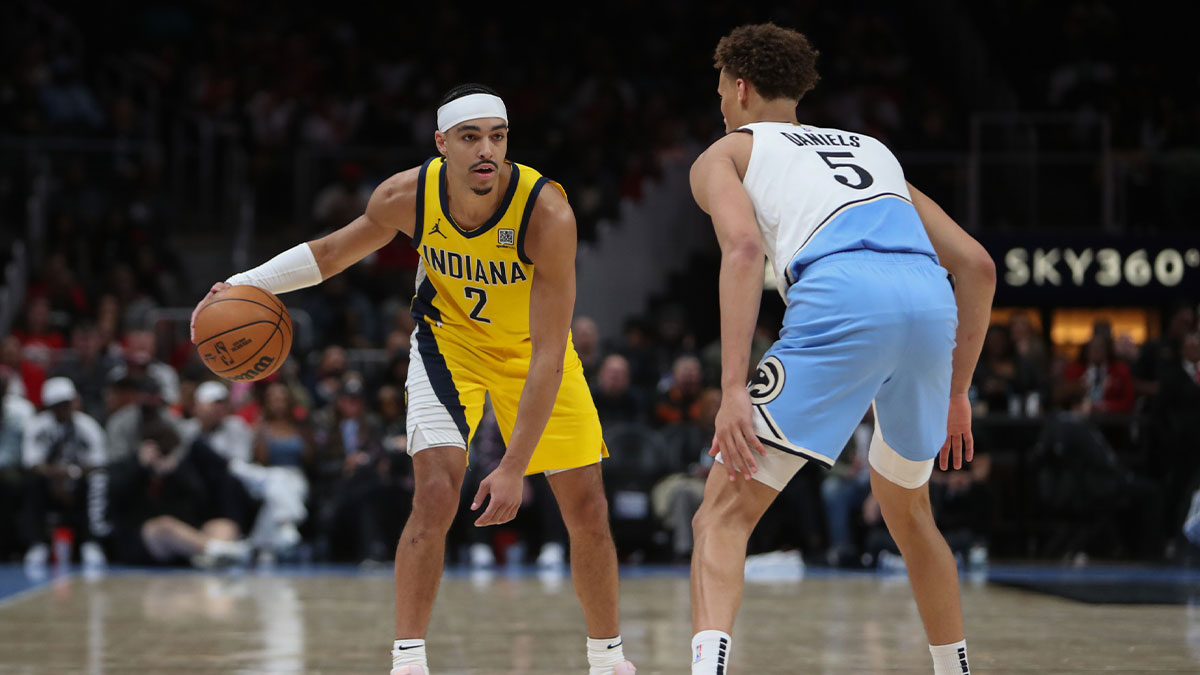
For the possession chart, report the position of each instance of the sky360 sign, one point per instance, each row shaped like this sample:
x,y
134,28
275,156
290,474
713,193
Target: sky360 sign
x,y
1105,267
1068,269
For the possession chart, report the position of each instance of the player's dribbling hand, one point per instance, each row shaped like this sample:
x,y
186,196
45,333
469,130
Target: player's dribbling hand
x,y
218,287
734,436
958,433
506,488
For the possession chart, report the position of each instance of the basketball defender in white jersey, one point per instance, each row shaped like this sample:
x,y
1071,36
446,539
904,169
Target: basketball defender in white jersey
x,y
873,319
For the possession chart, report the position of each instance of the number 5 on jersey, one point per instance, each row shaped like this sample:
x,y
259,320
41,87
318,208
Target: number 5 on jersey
x,y
479,304
864,179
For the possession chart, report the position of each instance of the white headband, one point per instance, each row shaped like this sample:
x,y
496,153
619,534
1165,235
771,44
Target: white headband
x,y
470,107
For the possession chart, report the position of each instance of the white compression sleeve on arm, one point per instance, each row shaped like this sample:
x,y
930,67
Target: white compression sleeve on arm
x,y
291,270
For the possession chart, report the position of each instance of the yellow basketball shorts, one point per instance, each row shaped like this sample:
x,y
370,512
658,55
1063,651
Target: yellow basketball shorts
x,y
447,381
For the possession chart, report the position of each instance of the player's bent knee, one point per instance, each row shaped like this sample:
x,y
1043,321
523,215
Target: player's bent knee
x,y
588,516
906,512
435,502
713,514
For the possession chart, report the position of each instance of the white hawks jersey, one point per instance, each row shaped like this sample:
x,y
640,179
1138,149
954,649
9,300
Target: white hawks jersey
x,y
819,191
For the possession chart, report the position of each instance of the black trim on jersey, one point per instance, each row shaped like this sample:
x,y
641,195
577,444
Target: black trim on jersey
x,y
788,272
529,204
838,209
443,195
440,377
422,302
812,458
767,420
419,224
743,130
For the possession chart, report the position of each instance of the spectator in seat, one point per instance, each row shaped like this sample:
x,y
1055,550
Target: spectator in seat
x,y
39,338
676,497
843,492
1028,343
141,360
64,455
962,508
282,441
88,366
1080,477
1163,352
679,402
1106,381
24,377
350,449
1003,376
586,337
145,404
615,400
164,505
15,415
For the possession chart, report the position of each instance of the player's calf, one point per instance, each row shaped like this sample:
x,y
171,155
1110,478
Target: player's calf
x,y
931,570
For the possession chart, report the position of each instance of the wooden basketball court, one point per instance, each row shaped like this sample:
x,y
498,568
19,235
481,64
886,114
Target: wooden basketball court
x,y
510,623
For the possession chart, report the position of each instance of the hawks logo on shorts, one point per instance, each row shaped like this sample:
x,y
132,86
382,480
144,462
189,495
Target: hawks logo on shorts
x,y
768,381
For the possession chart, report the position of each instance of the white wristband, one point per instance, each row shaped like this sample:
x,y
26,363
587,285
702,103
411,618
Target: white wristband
x,y
291,270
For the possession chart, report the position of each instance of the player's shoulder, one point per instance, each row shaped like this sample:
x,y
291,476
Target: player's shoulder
x,y
400,186
551,229
734,147
394,201
551,208
734,143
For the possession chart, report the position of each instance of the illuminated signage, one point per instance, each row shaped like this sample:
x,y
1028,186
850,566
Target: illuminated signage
x,y
1091,270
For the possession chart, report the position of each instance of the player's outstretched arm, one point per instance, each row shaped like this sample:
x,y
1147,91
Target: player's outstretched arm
x,y
392,208
975,284
718,190
551,247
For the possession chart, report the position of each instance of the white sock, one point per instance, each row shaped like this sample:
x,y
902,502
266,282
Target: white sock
x,y
710,652
950,659
408,653
604,655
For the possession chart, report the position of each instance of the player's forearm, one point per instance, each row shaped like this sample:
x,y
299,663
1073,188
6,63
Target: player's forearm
x,y
311,263
533,411
291,270
975,286
740,294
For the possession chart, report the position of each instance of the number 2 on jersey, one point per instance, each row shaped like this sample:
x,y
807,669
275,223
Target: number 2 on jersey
x,y
479,304
865,180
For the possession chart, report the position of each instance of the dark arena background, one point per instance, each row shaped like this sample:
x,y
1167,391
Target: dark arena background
x,y
150,149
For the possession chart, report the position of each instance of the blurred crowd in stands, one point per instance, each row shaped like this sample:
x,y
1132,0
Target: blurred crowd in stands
x,y
116,442
146,458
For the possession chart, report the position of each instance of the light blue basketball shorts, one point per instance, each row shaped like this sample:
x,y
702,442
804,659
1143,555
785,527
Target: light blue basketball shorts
x,y
861,328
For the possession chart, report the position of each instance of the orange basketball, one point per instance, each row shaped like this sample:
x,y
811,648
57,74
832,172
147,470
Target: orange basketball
x,y
244,334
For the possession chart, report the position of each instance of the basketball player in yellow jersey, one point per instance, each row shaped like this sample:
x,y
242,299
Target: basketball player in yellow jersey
x,y
495,295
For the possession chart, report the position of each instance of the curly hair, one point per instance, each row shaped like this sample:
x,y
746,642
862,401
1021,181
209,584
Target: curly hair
x,y
779,62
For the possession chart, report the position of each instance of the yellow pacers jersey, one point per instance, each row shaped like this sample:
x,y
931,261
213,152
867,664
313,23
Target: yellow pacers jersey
x,y
472,335
476,283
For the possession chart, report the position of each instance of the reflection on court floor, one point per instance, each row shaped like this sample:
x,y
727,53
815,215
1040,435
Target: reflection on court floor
x,y
517,622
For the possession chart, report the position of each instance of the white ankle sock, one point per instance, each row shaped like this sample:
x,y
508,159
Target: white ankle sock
x,y
604,655
950,659
710,653
409,652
